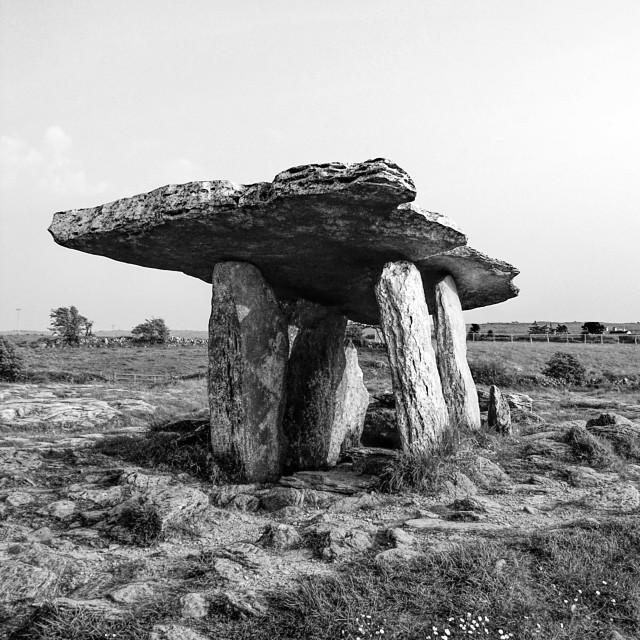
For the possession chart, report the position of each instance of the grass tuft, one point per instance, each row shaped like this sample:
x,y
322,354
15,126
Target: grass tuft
x,y
590,449
162,451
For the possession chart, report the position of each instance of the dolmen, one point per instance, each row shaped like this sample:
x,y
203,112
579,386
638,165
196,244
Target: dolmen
x,y
319,245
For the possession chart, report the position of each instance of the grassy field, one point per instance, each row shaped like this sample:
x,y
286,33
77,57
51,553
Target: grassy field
x,y
604,362
568,581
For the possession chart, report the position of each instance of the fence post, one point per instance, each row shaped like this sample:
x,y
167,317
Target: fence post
x,y
547,338
511,336
135,378
601,339
585,338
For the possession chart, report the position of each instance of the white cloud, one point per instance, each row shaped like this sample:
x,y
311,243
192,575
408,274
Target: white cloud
x,y
53,165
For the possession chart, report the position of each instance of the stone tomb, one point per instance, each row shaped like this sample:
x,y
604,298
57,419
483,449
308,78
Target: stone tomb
x,y
317,246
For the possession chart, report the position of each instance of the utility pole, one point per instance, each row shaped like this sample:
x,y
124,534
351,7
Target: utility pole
x,y
18,316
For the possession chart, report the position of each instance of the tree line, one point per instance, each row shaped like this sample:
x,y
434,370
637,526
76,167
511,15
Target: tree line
x,y
70,327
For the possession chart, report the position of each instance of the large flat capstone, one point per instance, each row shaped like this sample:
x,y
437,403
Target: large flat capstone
x,y
320,232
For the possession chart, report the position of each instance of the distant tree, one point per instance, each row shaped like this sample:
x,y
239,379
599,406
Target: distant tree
x,y
355,333
11,363
475,328
490,333
593,327
561,328
68,325
536,329
153,331
566,368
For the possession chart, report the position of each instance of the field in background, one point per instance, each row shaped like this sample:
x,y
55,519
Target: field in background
x,y
610,360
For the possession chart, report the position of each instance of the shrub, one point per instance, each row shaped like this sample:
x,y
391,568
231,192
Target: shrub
x,y
12,366
68,325
153,331
566,368
355,333
494,372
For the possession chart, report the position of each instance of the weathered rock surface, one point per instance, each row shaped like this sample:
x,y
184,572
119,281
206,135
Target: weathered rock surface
x,y
194,605
620,431
319,232
315,372
499,413
248,352
280,536
175,632
517,401
480,280
420,406
458,387
352,400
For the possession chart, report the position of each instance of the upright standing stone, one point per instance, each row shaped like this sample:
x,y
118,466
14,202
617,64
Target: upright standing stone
x,y
404,319
248,351
352,400
458,387
499,417
316,368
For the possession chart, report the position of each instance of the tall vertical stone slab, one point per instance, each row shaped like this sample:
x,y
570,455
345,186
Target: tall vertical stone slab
x,y
316,368
404,319
458,387
352,400
248,351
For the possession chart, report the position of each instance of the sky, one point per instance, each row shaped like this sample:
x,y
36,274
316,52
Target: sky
x,y
520,120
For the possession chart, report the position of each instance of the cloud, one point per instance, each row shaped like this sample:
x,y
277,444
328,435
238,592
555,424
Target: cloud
x,y
53,165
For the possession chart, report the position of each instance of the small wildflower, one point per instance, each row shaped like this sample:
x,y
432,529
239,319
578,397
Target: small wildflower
x,y
597,593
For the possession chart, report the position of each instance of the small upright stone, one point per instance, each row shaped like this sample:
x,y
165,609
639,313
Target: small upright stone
x,y
499,413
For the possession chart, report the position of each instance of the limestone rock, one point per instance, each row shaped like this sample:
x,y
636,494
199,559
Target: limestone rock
x,y
19,499
175,632
624,498
436,524
279,497
280,537
22,582
352,400
623,434
457,486
458,387
315,372
62,509
480,280
420,406
397,555
334,542
486,474
133,593
517,401
499,412
248,352
319,232
245,602
194,605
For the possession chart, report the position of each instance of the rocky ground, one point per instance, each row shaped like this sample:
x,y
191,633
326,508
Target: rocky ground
x,y
83,531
